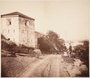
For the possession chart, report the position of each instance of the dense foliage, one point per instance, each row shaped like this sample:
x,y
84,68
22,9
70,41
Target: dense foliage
x,y
51,43
82,52
46,45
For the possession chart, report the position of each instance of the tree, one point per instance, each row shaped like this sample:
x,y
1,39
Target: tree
x,y
55,38
52,35
51,42
45,45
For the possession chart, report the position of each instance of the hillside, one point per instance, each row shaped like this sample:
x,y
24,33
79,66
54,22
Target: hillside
x,y
9,48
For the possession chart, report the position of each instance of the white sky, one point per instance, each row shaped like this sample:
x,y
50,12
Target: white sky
x,y
70,19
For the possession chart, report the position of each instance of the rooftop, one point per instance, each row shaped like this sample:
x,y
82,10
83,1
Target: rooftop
x,y
19,14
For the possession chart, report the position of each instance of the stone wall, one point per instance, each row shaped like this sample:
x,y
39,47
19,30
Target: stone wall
x,y
38,35
26,32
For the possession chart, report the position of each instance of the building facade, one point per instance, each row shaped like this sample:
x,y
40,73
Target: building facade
x,y
18,28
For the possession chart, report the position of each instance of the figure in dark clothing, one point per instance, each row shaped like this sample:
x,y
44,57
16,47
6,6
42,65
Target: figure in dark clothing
x,y
70,48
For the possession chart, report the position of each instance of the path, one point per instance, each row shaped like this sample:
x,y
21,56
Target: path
x,y
49,66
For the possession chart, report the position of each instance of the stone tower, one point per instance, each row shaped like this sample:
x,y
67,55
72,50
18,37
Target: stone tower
x,y
19,28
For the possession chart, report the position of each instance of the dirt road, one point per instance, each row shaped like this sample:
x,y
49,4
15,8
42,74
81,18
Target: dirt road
x,y
48,66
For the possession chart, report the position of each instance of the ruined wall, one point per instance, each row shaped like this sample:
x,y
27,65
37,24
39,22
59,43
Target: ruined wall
x,y
27,32
37,36
9,28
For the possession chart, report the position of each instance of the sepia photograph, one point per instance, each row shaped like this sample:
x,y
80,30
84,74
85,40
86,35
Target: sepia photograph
x,y
46,38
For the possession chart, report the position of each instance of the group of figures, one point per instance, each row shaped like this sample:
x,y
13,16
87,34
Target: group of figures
x,y
67,52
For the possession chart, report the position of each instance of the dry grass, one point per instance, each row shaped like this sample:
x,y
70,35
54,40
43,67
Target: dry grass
x,y
10,66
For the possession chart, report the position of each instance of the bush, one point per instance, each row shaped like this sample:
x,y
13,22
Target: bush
x,y
7,45
45,45
82,52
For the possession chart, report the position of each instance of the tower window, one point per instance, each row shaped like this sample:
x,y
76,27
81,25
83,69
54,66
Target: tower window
x,y
26,23
8,22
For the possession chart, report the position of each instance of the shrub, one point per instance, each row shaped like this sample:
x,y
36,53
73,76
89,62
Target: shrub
x,y
82,52
45,45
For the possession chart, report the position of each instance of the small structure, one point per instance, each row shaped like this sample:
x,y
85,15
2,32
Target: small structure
x,y
18,28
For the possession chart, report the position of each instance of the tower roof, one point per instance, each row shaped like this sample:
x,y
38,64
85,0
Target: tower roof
x,y
19,14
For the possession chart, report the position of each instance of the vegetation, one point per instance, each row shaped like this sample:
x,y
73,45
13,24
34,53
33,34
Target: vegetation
x,y
8,45
51,43
46,45
82,52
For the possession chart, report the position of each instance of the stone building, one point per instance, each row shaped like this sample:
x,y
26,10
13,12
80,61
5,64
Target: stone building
x,y
18,28
38,35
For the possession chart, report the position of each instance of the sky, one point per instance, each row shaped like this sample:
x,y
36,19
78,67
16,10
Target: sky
x,y
69,19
